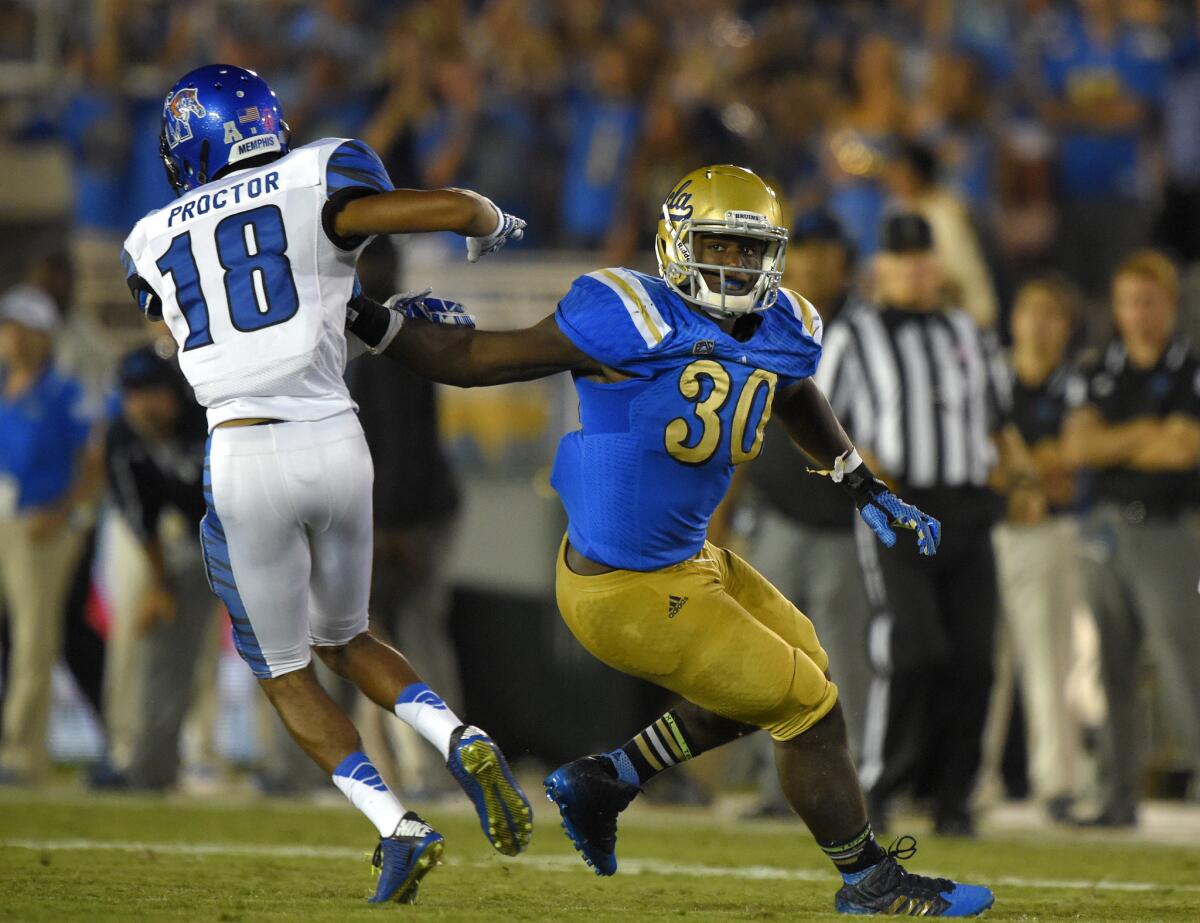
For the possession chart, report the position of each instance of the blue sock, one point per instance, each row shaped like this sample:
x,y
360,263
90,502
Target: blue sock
x,y
663,744
853,878
359,781
423,710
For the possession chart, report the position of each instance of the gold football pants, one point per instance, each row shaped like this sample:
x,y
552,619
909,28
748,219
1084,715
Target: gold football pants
x,y
711,629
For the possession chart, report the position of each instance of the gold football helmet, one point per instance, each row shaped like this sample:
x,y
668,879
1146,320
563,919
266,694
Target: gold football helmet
x,y
721,199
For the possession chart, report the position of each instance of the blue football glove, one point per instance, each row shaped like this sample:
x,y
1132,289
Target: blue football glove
x,y
509,227
884,512
375,325
420,306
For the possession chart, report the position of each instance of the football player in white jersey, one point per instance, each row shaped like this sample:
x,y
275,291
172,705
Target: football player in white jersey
x,y
251,269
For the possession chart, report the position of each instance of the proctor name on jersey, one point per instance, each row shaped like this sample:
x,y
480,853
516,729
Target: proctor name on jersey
x,y
230,195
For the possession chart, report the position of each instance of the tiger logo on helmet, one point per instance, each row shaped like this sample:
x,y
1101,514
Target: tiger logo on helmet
x,y
721,199
179,111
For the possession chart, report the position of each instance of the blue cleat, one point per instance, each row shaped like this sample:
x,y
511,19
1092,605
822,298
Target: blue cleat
x,y
404,858
480,768
589,798
887,889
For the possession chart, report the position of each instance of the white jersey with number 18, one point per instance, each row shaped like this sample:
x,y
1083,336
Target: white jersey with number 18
x,y
252,281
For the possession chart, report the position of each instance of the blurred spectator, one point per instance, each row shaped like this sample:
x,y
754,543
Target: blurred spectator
x,y
952,120
416,505
1103,78
917,388
1026,213
805,534
861,139
912,180
154,459
1037,546
391,128
804,540
43,484
604,122
1179,229
666,152
78,353
1139,431
987,30
108,132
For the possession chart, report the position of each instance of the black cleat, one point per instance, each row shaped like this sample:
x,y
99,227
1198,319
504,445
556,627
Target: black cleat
x,y
589,798
1114,817
888,889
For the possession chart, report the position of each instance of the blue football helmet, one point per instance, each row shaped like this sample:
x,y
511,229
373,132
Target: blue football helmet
x,y
215,116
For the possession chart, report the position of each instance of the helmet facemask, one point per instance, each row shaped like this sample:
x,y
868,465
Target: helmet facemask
x,y
676,249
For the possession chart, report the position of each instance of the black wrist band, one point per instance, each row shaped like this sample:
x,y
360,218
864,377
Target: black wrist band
x,y
368,320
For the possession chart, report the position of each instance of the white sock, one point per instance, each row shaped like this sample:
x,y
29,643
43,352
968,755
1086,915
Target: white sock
x,y
359,781
424,711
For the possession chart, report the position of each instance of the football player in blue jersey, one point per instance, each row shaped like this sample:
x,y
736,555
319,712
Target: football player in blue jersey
x,y
251,268
677,377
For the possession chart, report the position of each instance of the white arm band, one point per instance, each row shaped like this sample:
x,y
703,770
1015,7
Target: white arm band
x,y
844,464
395,322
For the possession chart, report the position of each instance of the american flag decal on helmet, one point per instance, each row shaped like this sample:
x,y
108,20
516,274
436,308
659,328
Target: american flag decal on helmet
x,y
248,115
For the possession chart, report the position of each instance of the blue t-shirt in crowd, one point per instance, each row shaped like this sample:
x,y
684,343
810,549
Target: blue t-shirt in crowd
x,y
1103,164
97,167
41,433
602,137
118,172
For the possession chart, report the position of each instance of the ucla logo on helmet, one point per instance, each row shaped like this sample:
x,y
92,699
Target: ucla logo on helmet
x,y
679,202
179,111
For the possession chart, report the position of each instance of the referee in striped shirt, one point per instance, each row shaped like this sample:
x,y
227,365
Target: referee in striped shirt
x,y
922,390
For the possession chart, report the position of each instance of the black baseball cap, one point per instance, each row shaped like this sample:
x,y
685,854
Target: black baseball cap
x,y
145,368
818,224
905,232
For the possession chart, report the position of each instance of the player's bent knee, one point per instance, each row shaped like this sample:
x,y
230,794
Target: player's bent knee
x,y
286,676
802,709
330,639
333,654
269,665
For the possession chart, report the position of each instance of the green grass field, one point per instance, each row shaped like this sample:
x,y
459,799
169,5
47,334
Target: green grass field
x,y
67,856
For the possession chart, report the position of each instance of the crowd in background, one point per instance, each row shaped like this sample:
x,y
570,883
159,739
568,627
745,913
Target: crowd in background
x,y
1038,140
1030,131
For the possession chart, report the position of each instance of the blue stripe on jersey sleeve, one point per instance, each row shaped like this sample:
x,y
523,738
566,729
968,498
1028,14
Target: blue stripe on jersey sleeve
x,y
354,164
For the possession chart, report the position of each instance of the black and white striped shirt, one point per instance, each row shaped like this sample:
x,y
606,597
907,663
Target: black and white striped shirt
x,y
922,391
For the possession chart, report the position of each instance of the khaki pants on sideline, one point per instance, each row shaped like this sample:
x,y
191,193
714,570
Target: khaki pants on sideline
x,y
126,576
34,580
1041,587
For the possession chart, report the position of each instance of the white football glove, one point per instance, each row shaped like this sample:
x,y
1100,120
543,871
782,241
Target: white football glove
x,y
508,227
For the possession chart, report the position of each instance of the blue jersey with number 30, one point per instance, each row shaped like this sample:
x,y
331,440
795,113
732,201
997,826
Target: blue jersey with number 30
x,y
655,453
252,280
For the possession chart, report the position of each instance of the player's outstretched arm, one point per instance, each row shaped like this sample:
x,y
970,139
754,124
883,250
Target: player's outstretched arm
x,y
472,358
814,427
417,211
428,336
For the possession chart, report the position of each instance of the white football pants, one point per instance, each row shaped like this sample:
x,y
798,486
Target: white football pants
x,y
287,537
